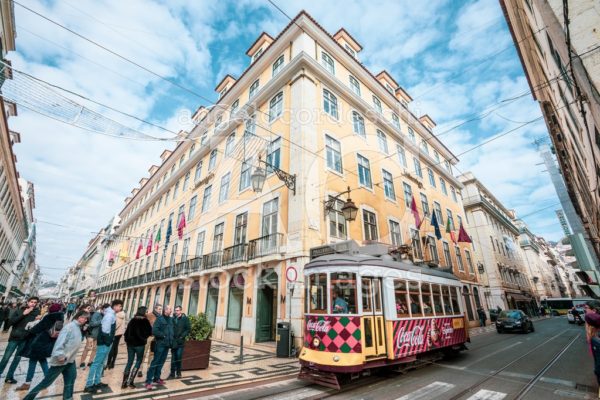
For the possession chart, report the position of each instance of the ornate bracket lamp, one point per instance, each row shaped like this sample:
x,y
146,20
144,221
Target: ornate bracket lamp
x,y
349,209
259,176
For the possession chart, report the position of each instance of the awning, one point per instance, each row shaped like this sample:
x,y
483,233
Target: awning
x,y
518,297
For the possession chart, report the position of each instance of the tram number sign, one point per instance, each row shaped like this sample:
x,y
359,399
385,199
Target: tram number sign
x,y
291,274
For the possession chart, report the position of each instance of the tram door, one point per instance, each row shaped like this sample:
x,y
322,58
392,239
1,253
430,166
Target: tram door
x,y
373,322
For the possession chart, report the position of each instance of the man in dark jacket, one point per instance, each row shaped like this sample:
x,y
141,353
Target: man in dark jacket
x,y
181,330
163,335
18,337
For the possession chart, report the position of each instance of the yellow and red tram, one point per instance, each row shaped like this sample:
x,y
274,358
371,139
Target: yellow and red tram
x,y
368,309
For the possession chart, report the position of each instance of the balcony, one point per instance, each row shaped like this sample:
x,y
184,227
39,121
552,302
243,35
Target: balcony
x,y
235,254
264,246
212,260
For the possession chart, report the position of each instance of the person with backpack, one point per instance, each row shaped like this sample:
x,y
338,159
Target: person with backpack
x,y
41,339
17,338
136,336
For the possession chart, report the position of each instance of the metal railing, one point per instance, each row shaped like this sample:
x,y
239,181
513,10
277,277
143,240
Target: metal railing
x,y
264,246
235,253
212,260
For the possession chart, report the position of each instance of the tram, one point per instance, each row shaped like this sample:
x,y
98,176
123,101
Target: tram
x,y
367,308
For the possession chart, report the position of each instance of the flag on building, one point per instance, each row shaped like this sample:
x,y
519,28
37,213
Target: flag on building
x,y
181,226
139,249
157,240
436,226
123,253
415,213
449,229
463,236
168,235
149,246
111,256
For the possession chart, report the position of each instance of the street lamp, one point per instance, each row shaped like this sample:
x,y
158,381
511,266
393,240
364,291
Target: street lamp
x,y
259,176
349,209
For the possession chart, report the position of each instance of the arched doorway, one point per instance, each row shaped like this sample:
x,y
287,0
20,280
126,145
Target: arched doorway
x,y
468,305
476,297
167,295
266,305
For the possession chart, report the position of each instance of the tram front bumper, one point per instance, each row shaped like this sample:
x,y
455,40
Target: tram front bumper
x,y
334,362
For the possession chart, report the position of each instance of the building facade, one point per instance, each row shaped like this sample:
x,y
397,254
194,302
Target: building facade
x,y
557,42
495,237
310,115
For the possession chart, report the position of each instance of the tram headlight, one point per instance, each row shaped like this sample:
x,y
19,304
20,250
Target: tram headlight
x,y
336,358
316,342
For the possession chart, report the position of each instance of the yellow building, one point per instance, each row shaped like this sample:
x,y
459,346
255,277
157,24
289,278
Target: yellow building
x,y
307,106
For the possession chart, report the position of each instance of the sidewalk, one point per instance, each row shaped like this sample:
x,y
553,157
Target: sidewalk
x,y
225,369
492,327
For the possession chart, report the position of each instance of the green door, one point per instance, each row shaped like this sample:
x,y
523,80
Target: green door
x,y
266,307
212,301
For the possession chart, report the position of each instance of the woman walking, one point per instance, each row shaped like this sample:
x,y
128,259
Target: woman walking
x,y
41,339
137,333
119,331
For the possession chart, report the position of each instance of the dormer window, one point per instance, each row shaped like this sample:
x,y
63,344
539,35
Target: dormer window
x,y
223,92
389,88
328,62
349,50
257,54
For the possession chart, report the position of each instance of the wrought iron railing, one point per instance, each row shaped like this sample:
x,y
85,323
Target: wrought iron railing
x,y
236,253
212,260
264,246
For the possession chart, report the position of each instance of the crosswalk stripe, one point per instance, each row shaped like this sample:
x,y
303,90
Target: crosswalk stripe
x,y
487,395
428,392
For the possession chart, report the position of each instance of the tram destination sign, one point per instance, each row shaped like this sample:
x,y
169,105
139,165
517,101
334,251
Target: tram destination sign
x,y
346,247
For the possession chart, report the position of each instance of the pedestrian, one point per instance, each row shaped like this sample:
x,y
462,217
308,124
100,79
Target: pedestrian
x,y
11,309
136,336
63,357
592,327
163,336
17,338
91,330
3,313
70,309
156,312
120,330
105,339
41,339
181,330
482,316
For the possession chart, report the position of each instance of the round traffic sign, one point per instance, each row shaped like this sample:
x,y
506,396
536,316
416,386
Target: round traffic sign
x,y
291,274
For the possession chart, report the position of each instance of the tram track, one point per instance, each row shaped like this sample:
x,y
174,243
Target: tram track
x,y
529,385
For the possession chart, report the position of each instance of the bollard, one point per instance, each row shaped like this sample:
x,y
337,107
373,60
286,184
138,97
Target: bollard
x,y
241,349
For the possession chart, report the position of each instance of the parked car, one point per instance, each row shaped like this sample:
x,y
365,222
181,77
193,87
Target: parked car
x,y
514,320
571,317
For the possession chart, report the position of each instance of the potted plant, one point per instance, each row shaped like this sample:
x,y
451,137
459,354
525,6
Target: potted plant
x,y
196,351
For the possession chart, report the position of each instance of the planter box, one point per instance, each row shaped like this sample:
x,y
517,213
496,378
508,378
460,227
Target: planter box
x,y
196,355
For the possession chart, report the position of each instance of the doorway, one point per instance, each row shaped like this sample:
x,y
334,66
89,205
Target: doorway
x,y
266,306
212,300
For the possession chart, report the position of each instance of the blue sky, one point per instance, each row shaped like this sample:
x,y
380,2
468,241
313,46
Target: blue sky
x,y
454,58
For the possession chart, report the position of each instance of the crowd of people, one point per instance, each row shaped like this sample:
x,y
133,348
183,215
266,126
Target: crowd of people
x,y
51,334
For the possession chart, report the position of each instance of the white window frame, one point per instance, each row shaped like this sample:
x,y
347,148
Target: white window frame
x,y
332,104
354,85
388,185
336,154
327,62
360,158
276,106
253,89
278,65
382,141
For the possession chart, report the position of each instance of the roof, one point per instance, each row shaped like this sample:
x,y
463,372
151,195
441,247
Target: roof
x,y
263,37
386,75
224,82
403,93
344,33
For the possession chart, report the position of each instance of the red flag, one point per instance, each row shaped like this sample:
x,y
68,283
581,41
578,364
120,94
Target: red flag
x,y
463,236
139,251
415,213
453,236
149,246
181,226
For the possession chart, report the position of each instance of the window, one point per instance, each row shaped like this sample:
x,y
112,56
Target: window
x,y
200,244
389,88
230,145
274,154
235,304
424,204
204,138
192,148
186,249
276,106
317,294
175,190
181,160
192,210
355,85
206,198
447,256
234,106
218,237
447,165
461,267
245,175
395,233
401,296
328,62
411,134
401,155
407,194
343,293
278,65
253,89
438,212
349,50
453,193
388,185
334,154
426,296
212,161
250,130
443,186
337,222
493,246
436,156
224,191
269,224
198,172
370,225
396,121
219,120
459,220
364,172
382,140
415,240
418,170
414,294
431,177
469,261
330,103
257,54
432,248
358,124
424,146
186,181
450,219
377,105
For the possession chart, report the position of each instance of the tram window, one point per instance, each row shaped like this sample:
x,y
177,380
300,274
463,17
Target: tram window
x,y
454,300
401,295
318,293
447,303
415,303
426,294
343,293
367,299
436,294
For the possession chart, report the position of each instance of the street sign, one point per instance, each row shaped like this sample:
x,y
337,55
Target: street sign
x,y
291,274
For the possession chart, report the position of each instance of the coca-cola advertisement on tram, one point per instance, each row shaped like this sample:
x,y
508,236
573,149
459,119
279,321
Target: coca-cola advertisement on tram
x,y
413,336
